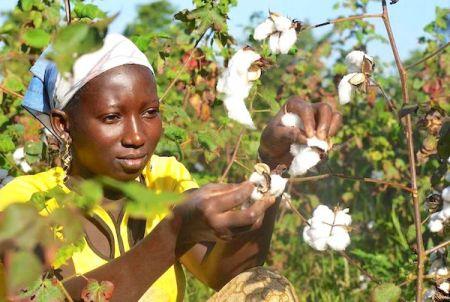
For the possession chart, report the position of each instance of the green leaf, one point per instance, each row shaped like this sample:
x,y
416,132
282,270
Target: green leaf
x,y
98,292
206,141
6,144
387,292
33,151
88,10
72,228
143,202
26,5
38,200
24,269
91,194
45,291
66,252
36,38
73,41
175,133
443,146
14,83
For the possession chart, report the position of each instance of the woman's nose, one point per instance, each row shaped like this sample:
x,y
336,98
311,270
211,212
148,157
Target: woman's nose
x,y
133,135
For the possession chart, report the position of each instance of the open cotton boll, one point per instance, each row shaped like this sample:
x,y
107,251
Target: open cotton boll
x,y
291,120
435,224
242,60
445,287
287,40
277,184
446,194
253,75
257,179
264,29
18,155
343,218
318,242
339,240
281,22
25,166
237,111
318,143
354,60
274,42
345,89
304,159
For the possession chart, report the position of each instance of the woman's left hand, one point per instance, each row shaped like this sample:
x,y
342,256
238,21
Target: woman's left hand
x,y
318,120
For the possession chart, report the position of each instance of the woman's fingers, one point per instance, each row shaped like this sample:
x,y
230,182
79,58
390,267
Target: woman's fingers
x,y
335,125
287,135
324,115
306,113
246,217
229,198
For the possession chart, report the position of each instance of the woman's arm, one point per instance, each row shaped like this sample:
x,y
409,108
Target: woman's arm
x,y
133,272
216,263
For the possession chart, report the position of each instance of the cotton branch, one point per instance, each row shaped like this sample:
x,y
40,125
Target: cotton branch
x,y
435,248
10,92
354,178
426,58
67,8
233,157
344,19
412,163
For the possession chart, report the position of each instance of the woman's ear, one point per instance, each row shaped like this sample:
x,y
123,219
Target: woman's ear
x,y
60,124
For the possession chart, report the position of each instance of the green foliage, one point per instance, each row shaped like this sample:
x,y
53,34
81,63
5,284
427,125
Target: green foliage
x,y
198,132
386,292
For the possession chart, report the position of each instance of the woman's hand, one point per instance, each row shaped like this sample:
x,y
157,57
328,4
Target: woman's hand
x,y
318,119
213,213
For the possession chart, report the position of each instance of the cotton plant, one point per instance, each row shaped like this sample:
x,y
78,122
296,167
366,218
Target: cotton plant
x,y
236,81
440,218
438,265
281,31
328,229
360,66
19,159
266,183
305,156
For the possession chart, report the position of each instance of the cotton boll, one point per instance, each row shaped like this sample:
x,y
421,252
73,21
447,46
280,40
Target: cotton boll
x,y
25,166
237,111
277,185
446,194
342,218
296,149
318,143
445,287
18,155
256,195
291,120
242,60
345,89
253,75
257,179
281,22
303,161
435,224
274,41
287,40
339,240
264,29
354,60
319,244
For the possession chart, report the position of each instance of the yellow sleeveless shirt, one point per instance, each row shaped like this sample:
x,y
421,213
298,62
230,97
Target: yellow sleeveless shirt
x,y
162,174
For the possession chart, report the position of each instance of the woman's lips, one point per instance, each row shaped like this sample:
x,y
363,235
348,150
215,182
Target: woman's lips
x,y
132,163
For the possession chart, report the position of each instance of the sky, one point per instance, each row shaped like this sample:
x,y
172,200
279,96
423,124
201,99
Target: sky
x,y
408,17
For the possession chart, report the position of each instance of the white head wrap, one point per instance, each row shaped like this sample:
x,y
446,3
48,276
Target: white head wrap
x,y
49,89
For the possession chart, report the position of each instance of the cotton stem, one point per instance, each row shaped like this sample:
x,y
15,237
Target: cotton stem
x,y
412,163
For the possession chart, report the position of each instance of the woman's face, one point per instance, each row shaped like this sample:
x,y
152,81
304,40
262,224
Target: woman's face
x,y
114,126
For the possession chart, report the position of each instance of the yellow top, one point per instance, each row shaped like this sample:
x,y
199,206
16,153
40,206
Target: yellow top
x,y
161,174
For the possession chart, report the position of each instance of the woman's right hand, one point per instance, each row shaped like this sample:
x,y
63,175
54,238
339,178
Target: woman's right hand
x,y
214,212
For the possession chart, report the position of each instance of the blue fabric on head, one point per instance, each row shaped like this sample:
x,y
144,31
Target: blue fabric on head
x,y
42,85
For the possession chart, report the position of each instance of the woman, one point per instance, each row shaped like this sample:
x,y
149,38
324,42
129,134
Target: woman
x,y
107,116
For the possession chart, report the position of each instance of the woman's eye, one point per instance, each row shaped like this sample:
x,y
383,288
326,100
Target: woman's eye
x,y
111,118
151,113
